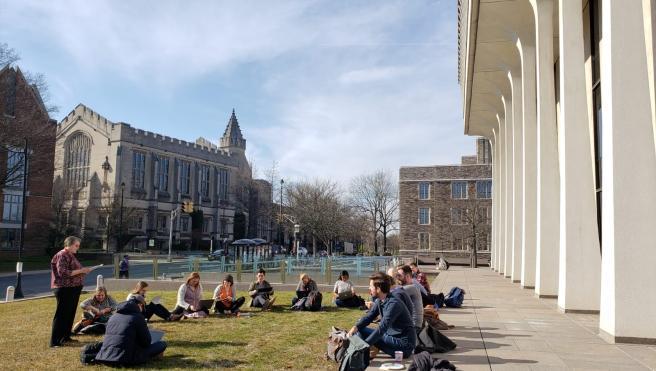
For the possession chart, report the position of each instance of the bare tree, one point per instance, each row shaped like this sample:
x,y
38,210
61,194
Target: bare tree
x,y
318,209
376,196
468,225
7,55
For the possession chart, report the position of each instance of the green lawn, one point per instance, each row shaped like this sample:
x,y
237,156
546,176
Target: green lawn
x,y
280,339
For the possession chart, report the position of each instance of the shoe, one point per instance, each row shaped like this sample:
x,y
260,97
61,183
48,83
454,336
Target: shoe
x,y
175,317
271,301
78,326
265,306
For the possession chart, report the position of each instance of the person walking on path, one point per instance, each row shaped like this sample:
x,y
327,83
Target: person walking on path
x,y
124,267
66,280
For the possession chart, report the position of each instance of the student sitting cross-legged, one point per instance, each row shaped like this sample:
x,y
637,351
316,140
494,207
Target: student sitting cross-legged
x,y
190,295
127,340
344,293
225,296
97,310
261,292
396,330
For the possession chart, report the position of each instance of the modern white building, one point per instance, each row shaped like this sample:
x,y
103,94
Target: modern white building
x,y
574,200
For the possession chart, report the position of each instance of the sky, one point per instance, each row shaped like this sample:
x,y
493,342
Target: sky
x,y
324,89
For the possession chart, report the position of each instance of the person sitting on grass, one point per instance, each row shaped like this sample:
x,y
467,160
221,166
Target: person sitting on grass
x,y
308,296
152,308
305,287
261,292
395,331
127,340
97,310
190,294
225,297
344,293
420,277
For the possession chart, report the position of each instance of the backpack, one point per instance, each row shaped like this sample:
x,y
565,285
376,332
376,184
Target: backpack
x,y
356,357
89,352
337,344
455,297
431,340
313,301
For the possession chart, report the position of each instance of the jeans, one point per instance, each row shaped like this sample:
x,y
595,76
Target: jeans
x,y
156,348
123,274
352,302
259,301
158,310
62,322
180,310
234,308
389,344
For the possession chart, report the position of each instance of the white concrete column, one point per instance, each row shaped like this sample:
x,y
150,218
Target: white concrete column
x,y
579,281
495,200
529,161
515,80
628,282
546,280
501,230
508,186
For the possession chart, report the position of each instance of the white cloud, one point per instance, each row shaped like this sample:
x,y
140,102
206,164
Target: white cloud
x,y
344,87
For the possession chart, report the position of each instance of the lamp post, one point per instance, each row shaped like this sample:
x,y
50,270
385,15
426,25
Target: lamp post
x,y
280,232
18,293
120,220
297,230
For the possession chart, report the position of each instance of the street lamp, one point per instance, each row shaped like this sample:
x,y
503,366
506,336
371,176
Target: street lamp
x,y
120,220
18,293
280,232
297,230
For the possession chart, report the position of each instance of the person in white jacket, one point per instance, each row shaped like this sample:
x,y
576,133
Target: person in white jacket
x,y
189,298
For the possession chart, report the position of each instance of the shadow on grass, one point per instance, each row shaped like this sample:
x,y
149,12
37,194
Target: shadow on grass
x,y
181,361
205,344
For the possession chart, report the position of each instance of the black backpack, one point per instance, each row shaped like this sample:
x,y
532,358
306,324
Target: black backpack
x,y
313,301
89,352
431,340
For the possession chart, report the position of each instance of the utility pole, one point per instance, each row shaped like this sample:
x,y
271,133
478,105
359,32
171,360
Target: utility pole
x,y
280,233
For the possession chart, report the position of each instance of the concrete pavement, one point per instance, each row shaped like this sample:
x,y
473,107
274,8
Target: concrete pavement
x,y
504,327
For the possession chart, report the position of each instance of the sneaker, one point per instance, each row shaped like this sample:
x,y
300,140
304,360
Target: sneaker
x,y
271,301
265,306
78,326
175,317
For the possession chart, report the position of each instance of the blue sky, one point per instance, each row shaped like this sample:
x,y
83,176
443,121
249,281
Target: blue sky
x,y
328,89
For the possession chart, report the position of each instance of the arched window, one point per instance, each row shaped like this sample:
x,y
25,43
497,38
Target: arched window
x,y
76,160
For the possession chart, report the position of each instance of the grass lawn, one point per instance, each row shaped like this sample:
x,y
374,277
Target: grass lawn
x,y
280,339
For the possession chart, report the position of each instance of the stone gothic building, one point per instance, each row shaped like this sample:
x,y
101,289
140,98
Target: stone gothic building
x,y
113,181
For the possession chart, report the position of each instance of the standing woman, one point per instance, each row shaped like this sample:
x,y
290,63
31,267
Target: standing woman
x,y
66,280
189,297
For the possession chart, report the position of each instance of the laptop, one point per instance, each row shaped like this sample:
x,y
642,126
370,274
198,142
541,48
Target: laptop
x,y
155,335
207,303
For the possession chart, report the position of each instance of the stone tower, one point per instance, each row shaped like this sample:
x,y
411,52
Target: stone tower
x,y
232,140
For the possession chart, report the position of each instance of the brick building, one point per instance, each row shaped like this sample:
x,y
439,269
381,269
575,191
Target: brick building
x,y
447,208
24,116
158,173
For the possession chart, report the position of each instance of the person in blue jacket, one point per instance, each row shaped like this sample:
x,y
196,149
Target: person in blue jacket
x,y
127,339
395,331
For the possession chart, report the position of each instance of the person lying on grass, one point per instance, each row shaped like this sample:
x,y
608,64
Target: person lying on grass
x,y
189,296
261,292
152,308
127,340
97,310
395,331
225,297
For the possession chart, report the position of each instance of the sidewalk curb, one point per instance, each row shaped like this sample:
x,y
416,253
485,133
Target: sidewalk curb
x,y
27,273
26,299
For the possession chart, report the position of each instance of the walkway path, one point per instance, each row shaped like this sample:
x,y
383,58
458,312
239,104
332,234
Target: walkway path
x,y
504,327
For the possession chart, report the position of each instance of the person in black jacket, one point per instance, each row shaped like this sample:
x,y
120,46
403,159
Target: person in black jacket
x,y
127,339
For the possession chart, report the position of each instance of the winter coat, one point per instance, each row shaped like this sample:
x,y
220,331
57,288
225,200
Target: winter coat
x,y
126,337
